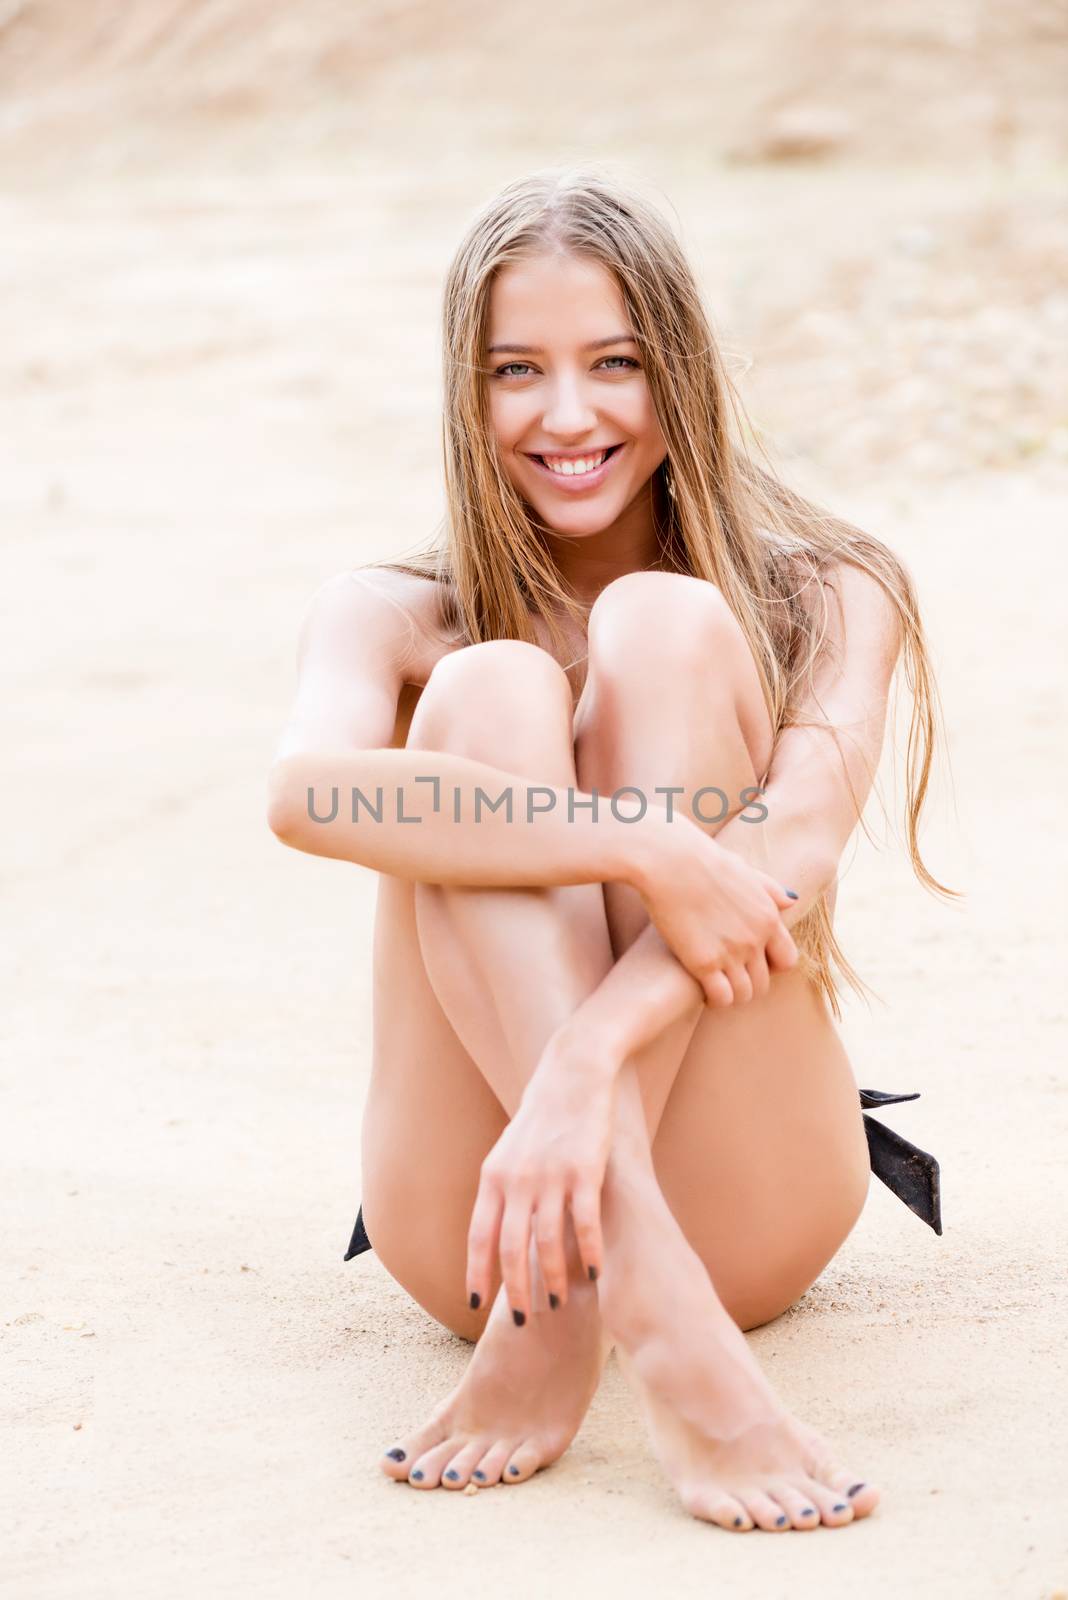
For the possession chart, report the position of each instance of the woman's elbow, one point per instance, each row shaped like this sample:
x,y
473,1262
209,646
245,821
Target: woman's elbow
x,y
281,811
821,866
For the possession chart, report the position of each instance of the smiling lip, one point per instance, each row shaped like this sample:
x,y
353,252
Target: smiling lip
x,y
585,480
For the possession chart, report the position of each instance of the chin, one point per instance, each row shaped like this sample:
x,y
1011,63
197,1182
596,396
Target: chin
x,y
578,524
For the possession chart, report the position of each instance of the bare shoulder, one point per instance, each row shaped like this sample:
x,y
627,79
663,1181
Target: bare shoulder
x,y
863,621
397,613
848,604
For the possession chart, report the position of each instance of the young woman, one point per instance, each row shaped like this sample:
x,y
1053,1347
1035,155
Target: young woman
x,y
605,745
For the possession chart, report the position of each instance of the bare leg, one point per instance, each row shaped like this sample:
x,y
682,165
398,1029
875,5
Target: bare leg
x,y
722,1425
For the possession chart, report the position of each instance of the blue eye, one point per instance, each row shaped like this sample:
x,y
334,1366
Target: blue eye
x,y
508,370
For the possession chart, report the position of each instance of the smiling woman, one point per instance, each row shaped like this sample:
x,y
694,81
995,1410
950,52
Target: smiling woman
x,y
575,428
608,1101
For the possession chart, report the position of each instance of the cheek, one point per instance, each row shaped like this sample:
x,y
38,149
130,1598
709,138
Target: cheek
x,y
640,421
651,426
508,416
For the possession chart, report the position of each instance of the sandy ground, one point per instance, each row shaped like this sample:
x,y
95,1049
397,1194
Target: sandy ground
x,y
219,369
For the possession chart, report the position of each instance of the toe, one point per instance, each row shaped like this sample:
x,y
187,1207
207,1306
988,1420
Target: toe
x,y
493,1463
458,1470
522,1464
863,1497
846,1484
797,1507
835,1509
710,1505
398,1460
395,1463
427,1469
765,1512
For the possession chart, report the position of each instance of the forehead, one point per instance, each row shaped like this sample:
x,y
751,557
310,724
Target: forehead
x,y
533,300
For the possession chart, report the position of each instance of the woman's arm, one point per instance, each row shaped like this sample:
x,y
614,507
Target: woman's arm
x,y
821,777
337,788
816,789
354,643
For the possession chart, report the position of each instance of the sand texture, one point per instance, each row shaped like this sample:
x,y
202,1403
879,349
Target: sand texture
x,y
225,231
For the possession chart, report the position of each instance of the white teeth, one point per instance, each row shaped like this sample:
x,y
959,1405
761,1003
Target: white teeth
x,y
575,468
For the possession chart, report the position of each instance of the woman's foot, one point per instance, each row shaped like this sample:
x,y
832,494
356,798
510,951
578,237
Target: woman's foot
x,y
518,1405
735,1455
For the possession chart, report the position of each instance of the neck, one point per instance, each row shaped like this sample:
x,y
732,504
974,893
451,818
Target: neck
x,y
587,563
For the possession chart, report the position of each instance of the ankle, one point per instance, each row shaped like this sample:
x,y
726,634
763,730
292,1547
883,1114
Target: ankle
x,y
630,1194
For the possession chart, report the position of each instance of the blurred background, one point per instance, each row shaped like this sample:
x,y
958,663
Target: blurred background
x,y
224,227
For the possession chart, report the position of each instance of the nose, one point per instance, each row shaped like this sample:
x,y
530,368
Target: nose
x,y
569,412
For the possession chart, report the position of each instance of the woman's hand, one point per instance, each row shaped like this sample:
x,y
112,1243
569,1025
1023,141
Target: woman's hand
x,y
720,917
550,1160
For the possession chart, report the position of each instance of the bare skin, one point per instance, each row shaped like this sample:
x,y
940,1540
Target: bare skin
x,y
605,1102
734,1156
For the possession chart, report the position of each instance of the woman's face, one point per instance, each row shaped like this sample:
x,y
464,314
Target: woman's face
x,y
566,385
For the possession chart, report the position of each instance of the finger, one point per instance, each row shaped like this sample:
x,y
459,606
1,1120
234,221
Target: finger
x,y
759,976
718,992
515,1256
738,978
781,951
586,1216
784,897
549,1238
482,1236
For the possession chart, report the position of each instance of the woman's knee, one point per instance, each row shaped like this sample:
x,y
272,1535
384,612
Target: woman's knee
x,y
501,701
497,675
663,645
667,620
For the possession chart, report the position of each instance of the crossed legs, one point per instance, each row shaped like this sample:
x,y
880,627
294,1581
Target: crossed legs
x,y
766,1175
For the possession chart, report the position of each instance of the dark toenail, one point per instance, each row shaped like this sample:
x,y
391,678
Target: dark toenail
x,y
793,894
554,1301
395,1455
481,1476
519,1317
841,1507
514,1470
737,1522
417,1475
857,1487
779,1521
451,1475
475,1302
809,1511
593,1274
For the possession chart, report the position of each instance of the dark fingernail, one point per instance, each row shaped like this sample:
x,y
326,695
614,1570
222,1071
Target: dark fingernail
x,y
514,1470
395,1455
554,1301
452,1475
481,1476
841,1507
475,1302
809,1511
417,1475
793,894
737,1522
779,1521
519,1317
593,1274
857,1487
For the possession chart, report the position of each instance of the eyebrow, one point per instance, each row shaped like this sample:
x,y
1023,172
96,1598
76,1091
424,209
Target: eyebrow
x,y
534,350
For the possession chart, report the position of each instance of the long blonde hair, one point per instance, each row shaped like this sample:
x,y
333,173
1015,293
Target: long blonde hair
x,y
728,519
